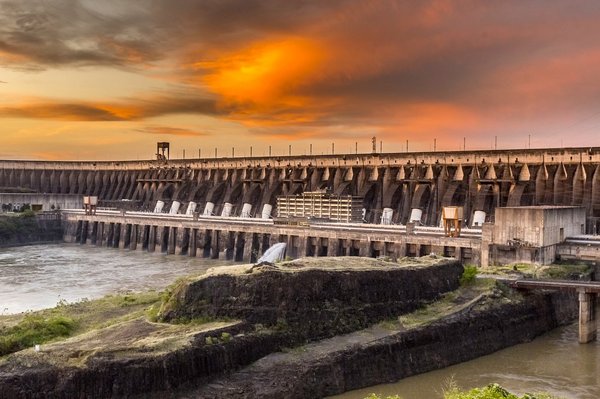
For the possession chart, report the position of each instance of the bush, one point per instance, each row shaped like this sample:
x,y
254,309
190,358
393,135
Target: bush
x,y
492,391
32,330
468,274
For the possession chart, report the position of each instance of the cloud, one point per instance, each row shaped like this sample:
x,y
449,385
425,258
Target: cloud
x,y
139,108
306,69
171,131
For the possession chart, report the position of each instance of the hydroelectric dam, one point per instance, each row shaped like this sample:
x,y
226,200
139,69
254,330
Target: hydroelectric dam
x,y
410,189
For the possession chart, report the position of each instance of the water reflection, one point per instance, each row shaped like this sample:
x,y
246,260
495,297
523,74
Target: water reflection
x,y
38,276
553,363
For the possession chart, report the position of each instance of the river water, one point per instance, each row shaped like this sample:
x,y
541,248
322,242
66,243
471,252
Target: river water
x,y
555,363
38,276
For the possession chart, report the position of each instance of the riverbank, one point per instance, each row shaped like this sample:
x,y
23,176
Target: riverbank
x,y
29,228
136,356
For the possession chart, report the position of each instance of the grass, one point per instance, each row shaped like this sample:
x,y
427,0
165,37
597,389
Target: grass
x,y
492,391
467,296
469,274
22,331
559,270
34,329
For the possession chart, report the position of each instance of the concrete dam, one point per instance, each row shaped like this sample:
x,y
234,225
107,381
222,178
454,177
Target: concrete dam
x,y
403,182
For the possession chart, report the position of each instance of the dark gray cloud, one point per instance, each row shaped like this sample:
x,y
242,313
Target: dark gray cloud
x,y
124,110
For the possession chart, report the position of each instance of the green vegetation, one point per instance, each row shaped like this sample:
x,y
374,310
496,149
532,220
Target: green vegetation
x,y
492,391
21,224
22,331
476,293
563,270
468,275
34,329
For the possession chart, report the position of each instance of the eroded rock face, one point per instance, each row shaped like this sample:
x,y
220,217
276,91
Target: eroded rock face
x,y
316,297
376,356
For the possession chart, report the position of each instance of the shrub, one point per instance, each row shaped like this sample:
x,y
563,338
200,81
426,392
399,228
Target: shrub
x,y
225,337
468,274
32,330
492,391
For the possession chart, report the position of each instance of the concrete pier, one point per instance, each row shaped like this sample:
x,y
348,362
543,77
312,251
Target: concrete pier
x,y
587,317
247,239
588,300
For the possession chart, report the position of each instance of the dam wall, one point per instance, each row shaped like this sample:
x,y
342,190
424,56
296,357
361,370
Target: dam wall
x,y
477,180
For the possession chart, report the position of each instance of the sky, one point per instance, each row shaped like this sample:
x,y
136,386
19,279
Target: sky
x,y
102,80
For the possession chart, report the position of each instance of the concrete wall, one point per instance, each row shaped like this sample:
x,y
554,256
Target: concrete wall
x,y
59,201
537,226
476,180
529,234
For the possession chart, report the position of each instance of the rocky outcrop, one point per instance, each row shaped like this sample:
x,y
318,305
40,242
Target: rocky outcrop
x,y
316,297
284,309
377,356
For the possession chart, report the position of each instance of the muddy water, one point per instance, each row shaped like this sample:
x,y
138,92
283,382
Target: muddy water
x,y
553,363
38,276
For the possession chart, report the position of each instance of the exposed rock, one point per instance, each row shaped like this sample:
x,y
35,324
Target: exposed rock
x,y
316,297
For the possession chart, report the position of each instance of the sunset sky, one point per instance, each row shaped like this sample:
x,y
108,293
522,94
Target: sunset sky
x,y
90,79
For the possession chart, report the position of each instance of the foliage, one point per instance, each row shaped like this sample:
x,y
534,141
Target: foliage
x,y
225,337
23,224
34,329
468,275
492,391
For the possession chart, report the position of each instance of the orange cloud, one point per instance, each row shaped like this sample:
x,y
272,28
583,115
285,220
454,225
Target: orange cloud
x,y
265,75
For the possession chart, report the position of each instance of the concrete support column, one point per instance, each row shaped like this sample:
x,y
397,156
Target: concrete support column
x,y
206,240
78,231
332,247
399,249
587,317
84,232
240,246
110,234
172,243
133,237
94,235
229,245
301,246
145,237
458,253
363,248
124,236
438,250
214,245
152,238
248,246
193,244
101,237
264,244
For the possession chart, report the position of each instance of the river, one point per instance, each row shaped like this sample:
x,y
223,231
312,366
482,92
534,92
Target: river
x,y
555,363
38,276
